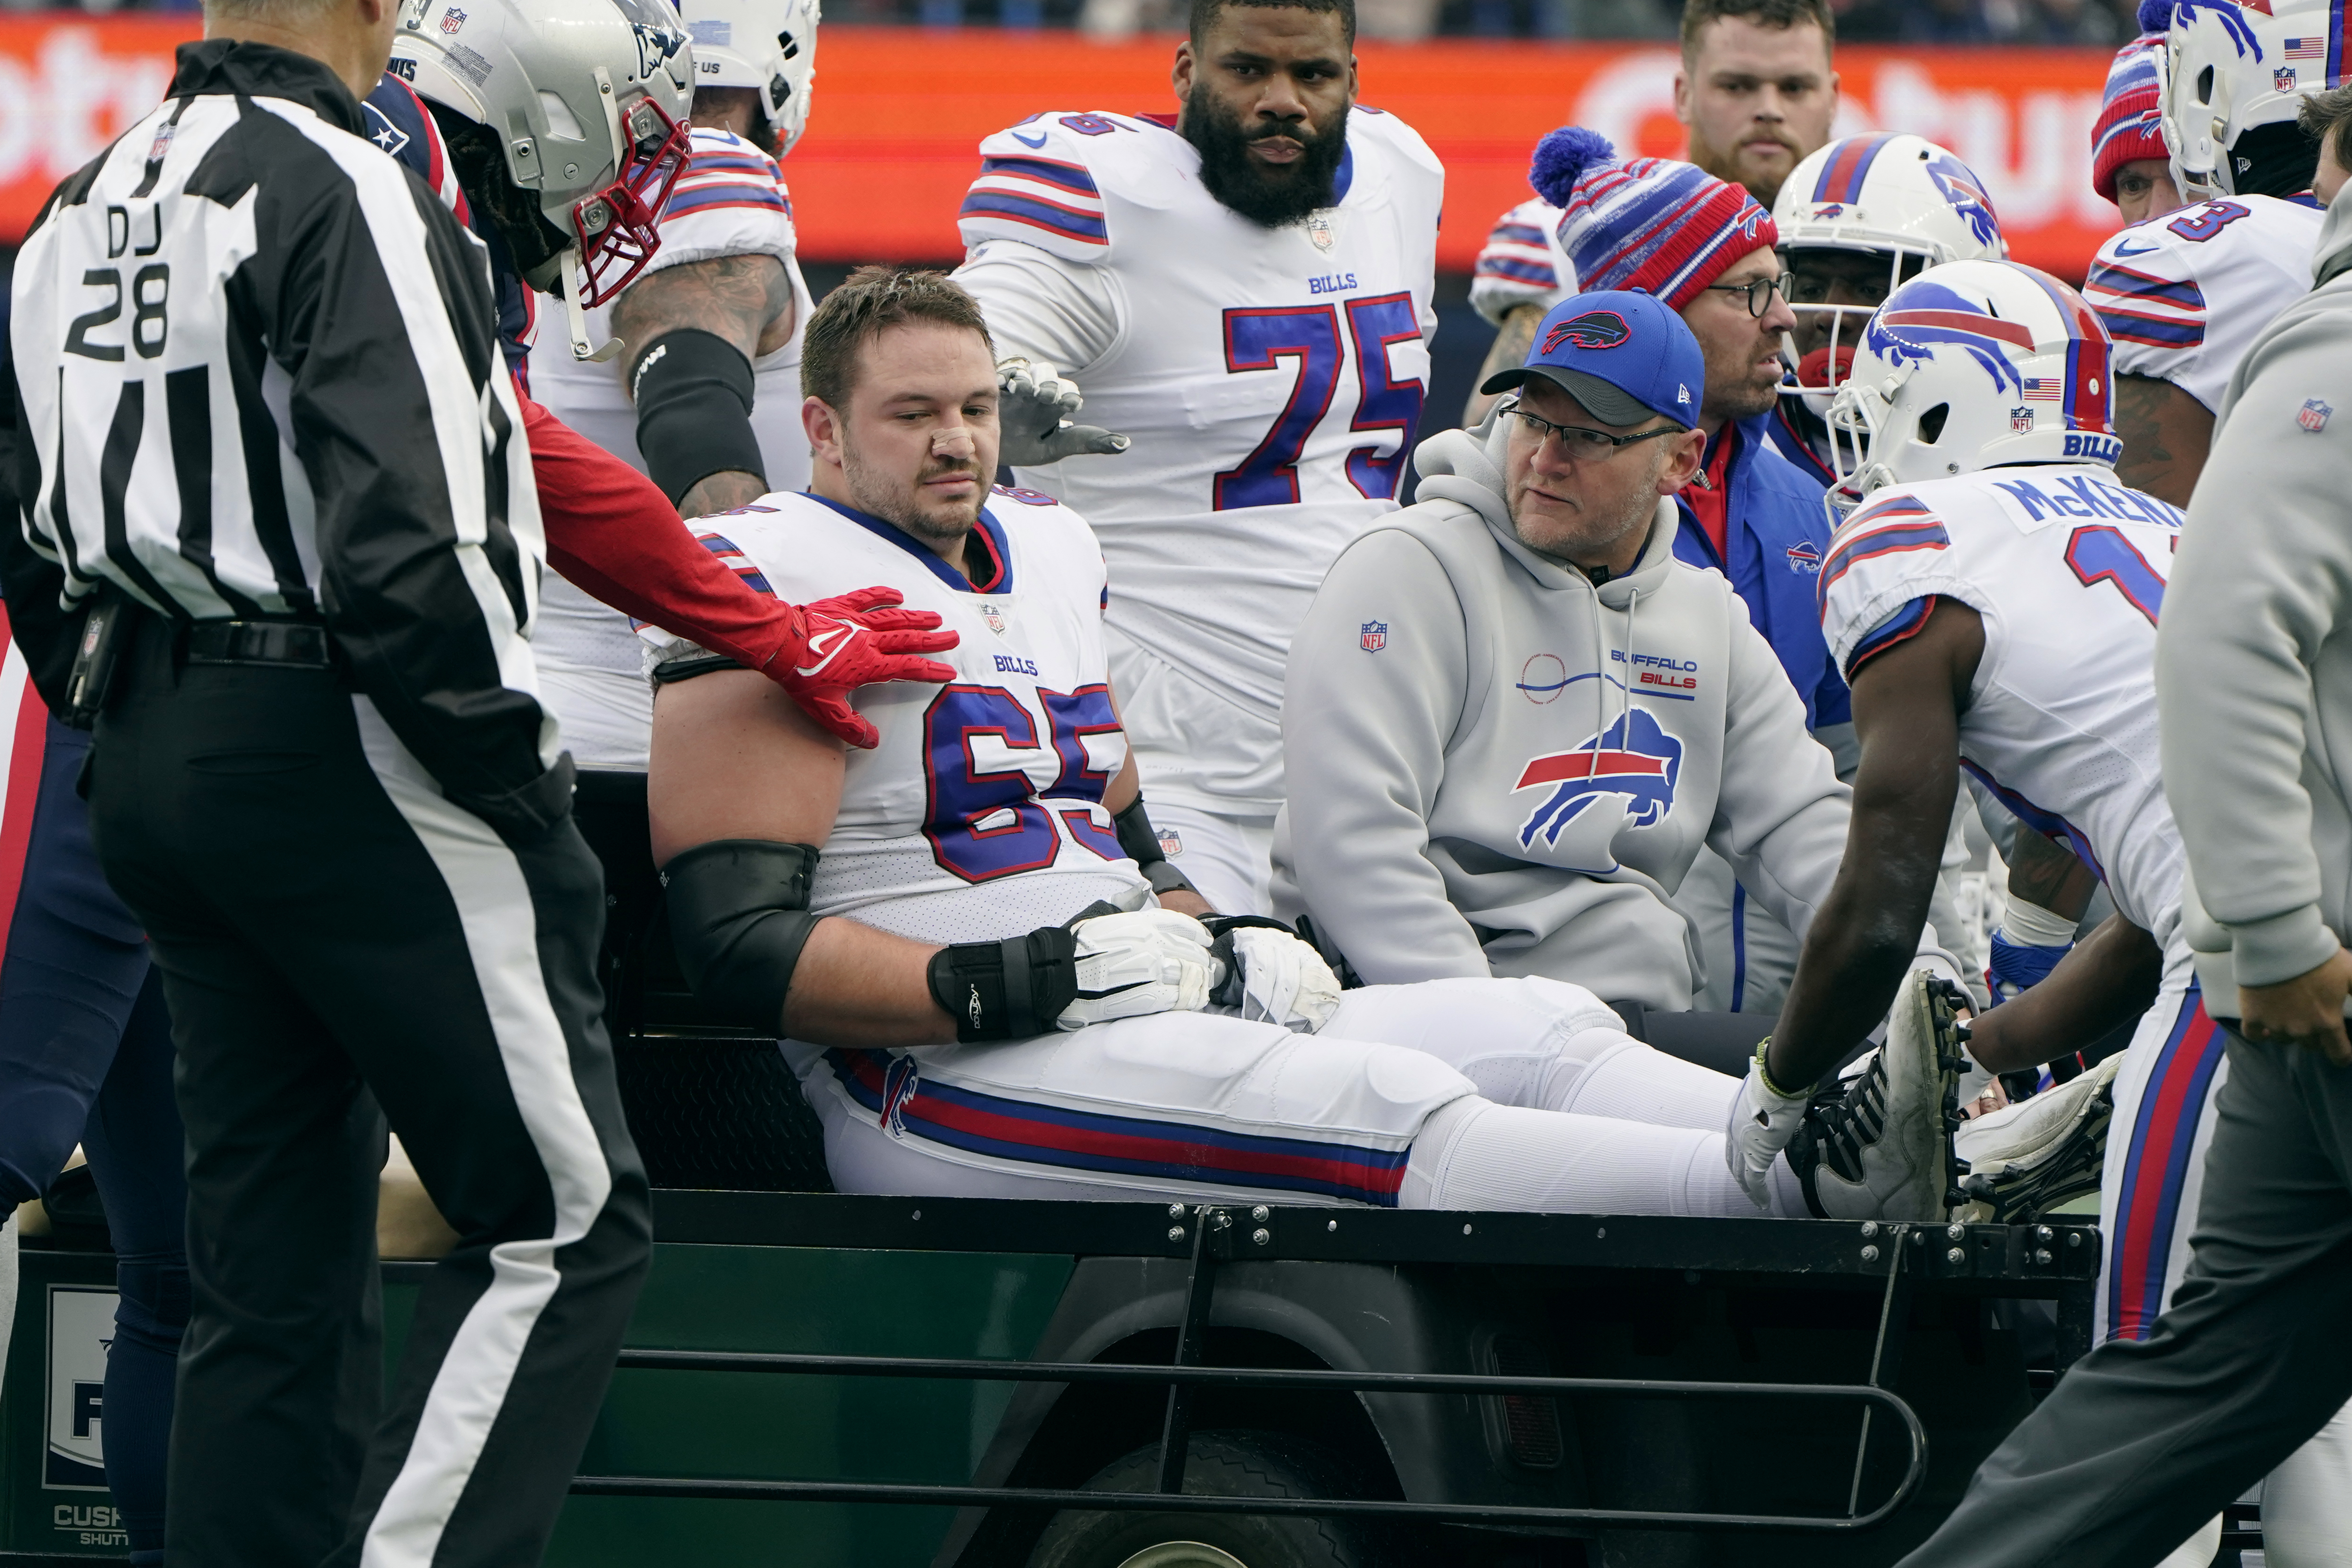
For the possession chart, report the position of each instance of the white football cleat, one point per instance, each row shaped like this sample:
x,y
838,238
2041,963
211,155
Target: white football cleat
x,y
1883,1149
2026,1159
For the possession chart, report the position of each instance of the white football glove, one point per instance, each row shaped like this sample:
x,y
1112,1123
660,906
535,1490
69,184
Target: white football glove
x,y
1034,407
1762,1121
1272,977
1151,961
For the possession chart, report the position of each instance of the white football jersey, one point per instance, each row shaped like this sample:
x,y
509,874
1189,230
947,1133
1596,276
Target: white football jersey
x,y
2067,568
2185,294
1271,380
731,201
1521,263
980,815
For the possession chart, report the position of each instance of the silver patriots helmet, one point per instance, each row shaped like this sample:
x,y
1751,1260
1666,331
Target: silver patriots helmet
x,y
566,120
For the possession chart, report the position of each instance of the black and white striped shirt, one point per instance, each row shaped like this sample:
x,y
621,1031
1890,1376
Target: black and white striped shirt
x,y
257,377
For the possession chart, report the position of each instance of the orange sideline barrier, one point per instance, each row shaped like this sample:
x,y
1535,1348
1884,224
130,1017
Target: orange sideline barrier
x,y
898,112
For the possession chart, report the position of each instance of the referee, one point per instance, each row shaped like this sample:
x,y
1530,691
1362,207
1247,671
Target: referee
x,y
275,470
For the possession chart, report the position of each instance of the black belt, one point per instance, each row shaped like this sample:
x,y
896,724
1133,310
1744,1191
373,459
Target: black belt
x,y
301,643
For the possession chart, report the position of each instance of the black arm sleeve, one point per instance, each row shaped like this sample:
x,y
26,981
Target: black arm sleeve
x,y
693,391
739,918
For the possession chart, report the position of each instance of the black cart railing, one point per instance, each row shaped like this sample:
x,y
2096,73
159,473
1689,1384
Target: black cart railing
x,y
2052,1261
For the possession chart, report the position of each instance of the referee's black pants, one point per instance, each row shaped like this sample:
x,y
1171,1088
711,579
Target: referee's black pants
x,y
2144,1440
334,936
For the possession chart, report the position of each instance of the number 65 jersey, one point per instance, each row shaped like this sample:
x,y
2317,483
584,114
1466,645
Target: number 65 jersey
x,y
2067,567
1270,379
979,815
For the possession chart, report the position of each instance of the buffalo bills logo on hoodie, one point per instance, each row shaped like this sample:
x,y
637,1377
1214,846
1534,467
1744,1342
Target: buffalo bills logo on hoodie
x,y
1593,330
1632,761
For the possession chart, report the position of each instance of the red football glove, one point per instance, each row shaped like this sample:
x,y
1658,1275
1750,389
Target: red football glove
x,y
851,641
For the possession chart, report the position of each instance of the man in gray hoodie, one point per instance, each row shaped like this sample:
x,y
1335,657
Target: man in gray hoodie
x,y
1516,717
2144,1440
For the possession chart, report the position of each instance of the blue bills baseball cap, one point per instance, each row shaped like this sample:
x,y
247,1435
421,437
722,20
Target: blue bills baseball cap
x,y
1623,356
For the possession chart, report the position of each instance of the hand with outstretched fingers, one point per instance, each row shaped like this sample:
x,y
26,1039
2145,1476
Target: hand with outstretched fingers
x,y
856,640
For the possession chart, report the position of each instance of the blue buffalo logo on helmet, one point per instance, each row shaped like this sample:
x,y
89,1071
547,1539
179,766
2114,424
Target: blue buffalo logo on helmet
x,y
1633,762
1593,330
1966,192
1923,316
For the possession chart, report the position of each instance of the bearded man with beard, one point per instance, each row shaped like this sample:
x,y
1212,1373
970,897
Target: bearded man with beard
x,y
1243,288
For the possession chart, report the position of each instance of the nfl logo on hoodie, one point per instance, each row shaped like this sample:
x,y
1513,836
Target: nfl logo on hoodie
x,y
1373,637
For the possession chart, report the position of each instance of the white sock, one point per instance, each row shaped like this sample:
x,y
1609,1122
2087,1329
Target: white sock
x,y
8,1284
1475,1155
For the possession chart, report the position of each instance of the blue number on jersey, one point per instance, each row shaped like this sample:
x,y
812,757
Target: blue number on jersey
x,y
1385,403
2208,221
984,823
1257,338
2102,554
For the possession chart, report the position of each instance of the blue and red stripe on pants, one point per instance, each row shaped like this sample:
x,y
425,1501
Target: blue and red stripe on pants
x,y
892,1090
2155,1168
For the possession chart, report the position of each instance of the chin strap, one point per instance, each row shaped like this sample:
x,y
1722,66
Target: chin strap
x,y
575,320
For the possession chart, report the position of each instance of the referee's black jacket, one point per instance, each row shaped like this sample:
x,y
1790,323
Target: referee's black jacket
x,y
256,376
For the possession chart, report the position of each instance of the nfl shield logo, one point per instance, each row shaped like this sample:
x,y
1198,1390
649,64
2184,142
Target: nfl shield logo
x,y
2282,78
1375,636
452,19
1318,230
2313,417
993,617
2020,420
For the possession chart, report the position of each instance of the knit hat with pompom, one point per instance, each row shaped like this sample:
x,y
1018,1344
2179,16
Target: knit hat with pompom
x,y
2129,127
1664,227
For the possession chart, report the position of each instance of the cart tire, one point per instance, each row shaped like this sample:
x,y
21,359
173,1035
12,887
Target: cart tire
x,y
1217,1464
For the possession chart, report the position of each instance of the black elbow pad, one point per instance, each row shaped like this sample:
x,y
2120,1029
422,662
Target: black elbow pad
x,y
739,918
693,391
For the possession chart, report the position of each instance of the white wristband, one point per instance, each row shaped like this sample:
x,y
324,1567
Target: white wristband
x,y
2030,925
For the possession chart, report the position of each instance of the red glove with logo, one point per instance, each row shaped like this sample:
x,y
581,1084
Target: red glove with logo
x,y
854,640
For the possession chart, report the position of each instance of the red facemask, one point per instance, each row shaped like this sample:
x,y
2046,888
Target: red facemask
x,y
619,227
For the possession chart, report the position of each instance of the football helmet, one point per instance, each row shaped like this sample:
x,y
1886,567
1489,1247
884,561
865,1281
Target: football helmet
x,y
1971,365
2230,73
1901,201
769,46
566,120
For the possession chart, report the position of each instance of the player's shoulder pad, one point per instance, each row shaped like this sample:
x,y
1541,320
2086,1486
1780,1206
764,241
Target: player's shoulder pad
x,y
1377,129
724,173
1043,182
1034,514
1887,522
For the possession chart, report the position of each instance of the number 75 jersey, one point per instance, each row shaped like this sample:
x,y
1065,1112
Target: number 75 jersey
x,y
2066,568
1270,379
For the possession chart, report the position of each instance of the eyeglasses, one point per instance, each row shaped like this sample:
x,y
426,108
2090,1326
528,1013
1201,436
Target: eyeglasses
x,y
1579,441
1759,293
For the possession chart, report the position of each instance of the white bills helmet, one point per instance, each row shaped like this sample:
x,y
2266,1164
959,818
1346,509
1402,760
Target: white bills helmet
x,y
566,119
1971,365
1898,197
2234,78
768,46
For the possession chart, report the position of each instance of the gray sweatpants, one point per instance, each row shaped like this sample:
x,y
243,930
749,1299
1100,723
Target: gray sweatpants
x,y
2143,1441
